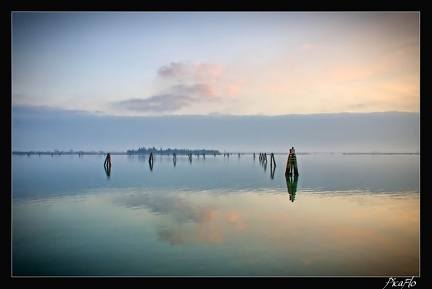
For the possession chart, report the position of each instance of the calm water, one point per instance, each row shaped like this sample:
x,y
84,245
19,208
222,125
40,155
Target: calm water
x,y
345,215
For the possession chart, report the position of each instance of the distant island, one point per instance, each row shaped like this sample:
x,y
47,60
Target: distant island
x,y
139,151
153,150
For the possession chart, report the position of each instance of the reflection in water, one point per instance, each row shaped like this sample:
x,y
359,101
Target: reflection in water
x,y
151,161
291,183
171,222
107,161
263,160
242,234
107,165
108,171
272,166
272,171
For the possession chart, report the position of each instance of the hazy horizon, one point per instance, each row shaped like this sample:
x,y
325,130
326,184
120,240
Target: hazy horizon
x,y
42,129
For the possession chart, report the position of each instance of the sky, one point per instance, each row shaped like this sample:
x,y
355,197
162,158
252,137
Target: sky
x,y
234,81
236,63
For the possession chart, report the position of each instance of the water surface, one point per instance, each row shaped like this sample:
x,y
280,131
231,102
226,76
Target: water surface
x,y
345,215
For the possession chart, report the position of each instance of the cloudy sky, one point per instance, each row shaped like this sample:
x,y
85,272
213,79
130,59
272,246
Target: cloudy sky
x,y
235,81
237,63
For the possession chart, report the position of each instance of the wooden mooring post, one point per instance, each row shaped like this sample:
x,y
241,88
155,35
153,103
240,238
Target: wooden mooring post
x,y
107,162
272,160
291,166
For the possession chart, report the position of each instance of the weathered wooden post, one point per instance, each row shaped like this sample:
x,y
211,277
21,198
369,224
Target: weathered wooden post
x,y
107,162
272,160
291,167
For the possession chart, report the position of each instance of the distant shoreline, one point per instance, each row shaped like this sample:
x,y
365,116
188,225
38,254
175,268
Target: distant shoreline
x,y
225,153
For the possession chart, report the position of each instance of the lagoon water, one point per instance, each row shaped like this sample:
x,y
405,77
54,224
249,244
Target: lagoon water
x,y
345,215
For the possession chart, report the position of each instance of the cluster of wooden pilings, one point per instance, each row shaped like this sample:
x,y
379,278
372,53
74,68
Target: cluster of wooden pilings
x,y
189,155
291,166
263,158
291,170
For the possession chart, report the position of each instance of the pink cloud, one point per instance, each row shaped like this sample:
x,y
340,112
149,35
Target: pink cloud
x,y
184,84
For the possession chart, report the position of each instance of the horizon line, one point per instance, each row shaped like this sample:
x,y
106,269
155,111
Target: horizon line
x,y
100,152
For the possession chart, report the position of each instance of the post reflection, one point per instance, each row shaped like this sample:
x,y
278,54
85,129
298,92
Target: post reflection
x,y
272,166
108,171
291,182
107,165
150,161
272,171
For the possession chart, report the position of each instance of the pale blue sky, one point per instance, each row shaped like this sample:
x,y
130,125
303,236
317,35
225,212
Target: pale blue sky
x,y
115,81
239,63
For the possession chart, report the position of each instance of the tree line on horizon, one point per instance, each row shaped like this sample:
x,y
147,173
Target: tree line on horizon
x,y
153,150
